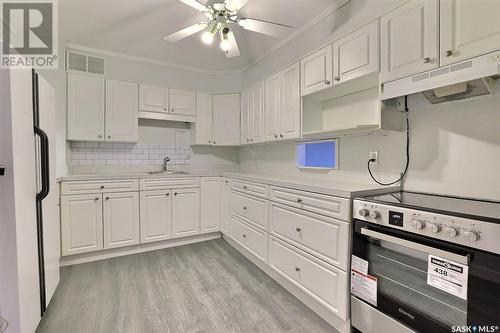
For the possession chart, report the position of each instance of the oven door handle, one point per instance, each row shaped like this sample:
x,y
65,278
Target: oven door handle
x,y
464,260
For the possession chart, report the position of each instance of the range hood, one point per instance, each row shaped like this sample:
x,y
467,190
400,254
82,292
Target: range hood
x,y
463,80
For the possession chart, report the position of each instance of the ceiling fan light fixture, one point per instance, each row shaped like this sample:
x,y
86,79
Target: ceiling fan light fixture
x,y
207,37
224,45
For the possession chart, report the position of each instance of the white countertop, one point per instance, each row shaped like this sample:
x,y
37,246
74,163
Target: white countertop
x,y
324,186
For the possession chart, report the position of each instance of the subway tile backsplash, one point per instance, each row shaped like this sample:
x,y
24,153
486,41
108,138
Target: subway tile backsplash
x,y
105,153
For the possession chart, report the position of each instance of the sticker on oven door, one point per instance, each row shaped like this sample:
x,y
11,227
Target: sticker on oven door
x,y
359,264
448,276
364,286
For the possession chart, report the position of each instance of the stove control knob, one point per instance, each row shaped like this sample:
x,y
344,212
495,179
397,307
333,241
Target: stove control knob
x,y
470,235
364,212
435,228
452,232
374,214
418,224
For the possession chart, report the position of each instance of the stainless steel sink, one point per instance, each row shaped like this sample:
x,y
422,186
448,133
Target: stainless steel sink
x,y
172,172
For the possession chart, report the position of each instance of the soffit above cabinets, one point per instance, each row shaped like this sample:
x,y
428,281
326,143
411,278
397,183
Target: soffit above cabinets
x,y
136,28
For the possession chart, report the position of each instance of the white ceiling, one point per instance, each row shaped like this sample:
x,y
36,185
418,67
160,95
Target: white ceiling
x,y
136,27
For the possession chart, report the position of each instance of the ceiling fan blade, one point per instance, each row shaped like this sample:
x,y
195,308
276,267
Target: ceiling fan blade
x,y
186,32
196,5
265,27
234,5
233,51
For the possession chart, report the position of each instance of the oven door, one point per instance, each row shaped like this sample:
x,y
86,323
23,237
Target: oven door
x,y
399,262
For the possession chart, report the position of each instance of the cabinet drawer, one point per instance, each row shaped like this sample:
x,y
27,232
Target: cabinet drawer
x,y
253,239
169,183
322,236
255,210
325,283
99,186
259,190
317,203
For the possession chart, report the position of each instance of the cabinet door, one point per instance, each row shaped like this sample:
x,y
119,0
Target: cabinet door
x,y
289,110
210,204
226,128
85,107
258,114
356,54
317,71
409,39
246,115
203,126
121,219
272,98
185,212
225,214
182,102
153,99
156,215
122,114
468,29
81,223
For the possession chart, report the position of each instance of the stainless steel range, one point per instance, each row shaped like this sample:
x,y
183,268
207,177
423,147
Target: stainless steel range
x,y
425,263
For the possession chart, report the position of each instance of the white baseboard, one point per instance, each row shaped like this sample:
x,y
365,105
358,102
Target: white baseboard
x,y
118,252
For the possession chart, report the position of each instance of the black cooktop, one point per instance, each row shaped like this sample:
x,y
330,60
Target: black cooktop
x,y
482,210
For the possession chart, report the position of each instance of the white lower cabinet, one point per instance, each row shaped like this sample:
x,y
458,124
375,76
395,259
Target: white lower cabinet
x,y
185,212
250,237
225,213
324,283
156,215
81,223
121,219
250,208
210,204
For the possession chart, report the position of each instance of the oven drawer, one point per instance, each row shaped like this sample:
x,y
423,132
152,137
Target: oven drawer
x,y
169,183
322,236
259,190
255,210
251,238
317,203
325,283
99,186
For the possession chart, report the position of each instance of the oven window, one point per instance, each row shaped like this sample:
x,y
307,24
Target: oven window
x,y
402,277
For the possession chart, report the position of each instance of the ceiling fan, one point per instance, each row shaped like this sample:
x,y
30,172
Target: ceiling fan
x,y
221,19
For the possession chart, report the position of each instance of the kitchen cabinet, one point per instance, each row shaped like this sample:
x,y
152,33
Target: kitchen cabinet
x,y
121,219
246,116
182,102
282,107
225,214
202,129
356,54
316,70
210,204
409,39
251,238
156,215
81,223
122,117
85,107
226,120
252,114
185,212
153,99
468,29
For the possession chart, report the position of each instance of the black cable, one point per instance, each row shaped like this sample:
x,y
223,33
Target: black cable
x,y
407,152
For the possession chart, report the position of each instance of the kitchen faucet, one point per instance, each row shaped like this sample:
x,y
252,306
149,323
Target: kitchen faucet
x,y
165,161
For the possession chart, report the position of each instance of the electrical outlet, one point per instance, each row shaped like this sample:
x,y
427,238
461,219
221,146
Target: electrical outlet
x,y
374,156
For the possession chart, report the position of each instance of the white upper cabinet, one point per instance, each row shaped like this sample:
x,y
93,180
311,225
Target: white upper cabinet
x,y
153,99
257,119
226,120
246,116
122,117
182,102
121,219
317,71
185,212
272,105
210,204
468,29
156,215
203,127
409,39
289,108
356,54
85,107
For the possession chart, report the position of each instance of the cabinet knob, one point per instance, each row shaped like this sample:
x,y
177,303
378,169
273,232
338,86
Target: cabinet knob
x,y
99,136
327,82
448,53
209,141
427,60
299,200
297,269
248,140
244,187
298,229
168,194
275,136
109,136
245,207
215,142
173,110
251,140
337,78
175,193
226,181
107,198
244,236
281,135
96,199
102,187
164,109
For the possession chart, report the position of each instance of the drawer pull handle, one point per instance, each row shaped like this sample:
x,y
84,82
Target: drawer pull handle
x,y
245,207
448,53
102,187
245,187
427,60
168,194
244,236
299,200
298,229
107,198
96,198
175,193
297,269
327,82
337,78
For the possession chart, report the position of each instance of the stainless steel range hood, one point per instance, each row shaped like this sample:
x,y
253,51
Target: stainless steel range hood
x,y
463,80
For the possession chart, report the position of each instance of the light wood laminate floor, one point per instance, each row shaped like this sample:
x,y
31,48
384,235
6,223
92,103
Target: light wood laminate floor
x,y
203,287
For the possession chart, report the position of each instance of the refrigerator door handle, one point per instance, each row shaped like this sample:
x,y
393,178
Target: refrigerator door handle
x,y
44,164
